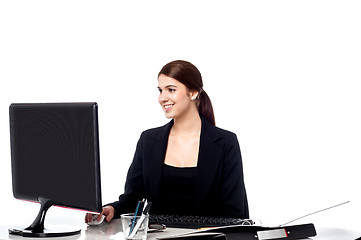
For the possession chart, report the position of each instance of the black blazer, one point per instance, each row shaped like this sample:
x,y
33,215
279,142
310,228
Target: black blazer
x,y
220,189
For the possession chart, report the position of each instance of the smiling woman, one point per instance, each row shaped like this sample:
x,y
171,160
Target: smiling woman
x,y
180,84
186,74
177,101
189,162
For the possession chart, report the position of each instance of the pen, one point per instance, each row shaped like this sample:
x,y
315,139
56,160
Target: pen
x,y
140,221
141,207
136,214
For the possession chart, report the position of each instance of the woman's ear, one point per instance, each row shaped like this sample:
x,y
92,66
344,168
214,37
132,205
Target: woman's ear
x,y
194,95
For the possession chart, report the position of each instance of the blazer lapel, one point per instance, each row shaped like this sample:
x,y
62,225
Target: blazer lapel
x,y
155,153
210,153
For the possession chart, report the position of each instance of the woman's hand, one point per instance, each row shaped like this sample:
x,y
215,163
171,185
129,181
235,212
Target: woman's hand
x,y
108,212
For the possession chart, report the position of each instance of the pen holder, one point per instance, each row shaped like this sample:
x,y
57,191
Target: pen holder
x,y
135,227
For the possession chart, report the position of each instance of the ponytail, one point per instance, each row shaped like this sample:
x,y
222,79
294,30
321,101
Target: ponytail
x,y
205,107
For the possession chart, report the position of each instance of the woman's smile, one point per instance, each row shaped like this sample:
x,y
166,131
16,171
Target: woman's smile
x,y
168,107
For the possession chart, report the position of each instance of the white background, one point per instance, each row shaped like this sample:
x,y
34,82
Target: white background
x,y
283,75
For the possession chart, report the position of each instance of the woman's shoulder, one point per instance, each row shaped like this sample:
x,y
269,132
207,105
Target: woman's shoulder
x,y
220,131
227,136
224,131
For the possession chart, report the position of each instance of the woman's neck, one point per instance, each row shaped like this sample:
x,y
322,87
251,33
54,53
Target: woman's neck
x,y
189,124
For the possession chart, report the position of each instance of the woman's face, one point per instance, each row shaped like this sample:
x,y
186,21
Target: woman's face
x,y
174,97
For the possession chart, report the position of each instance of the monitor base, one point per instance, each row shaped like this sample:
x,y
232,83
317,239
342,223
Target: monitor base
x,y
56,231
37,229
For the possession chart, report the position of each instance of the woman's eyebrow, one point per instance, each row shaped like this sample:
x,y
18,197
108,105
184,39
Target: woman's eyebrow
x,y
169,86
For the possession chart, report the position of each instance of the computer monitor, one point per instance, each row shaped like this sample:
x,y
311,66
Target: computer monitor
x,y
55,160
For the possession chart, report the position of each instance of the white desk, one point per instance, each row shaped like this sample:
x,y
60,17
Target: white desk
x,y
113,230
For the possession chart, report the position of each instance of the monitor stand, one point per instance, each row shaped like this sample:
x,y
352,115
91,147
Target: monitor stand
x,y
37,229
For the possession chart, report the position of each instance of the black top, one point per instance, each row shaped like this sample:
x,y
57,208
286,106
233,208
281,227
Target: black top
x,y
178,190
219,186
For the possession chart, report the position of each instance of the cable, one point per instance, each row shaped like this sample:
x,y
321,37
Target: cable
x,y
315,212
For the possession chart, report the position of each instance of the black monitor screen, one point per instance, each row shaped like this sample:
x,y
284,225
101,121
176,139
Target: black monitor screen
x,y
55,154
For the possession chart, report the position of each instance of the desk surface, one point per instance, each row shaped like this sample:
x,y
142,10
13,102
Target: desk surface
x,y
113,230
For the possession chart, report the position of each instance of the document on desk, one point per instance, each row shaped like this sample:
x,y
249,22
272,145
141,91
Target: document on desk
x,y
218,233
196,235
246,232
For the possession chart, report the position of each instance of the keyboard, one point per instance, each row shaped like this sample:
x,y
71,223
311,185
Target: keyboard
x,y
196,221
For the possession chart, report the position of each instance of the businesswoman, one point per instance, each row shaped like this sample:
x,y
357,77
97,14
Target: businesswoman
x,y
188,166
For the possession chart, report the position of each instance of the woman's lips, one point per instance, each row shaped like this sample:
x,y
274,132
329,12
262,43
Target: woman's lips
x,y
168,107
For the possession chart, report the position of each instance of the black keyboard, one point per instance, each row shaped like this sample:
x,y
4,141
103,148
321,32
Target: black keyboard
x,y
196,221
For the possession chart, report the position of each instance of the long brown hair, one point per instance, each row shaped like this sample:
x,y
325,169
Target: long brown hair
x,y
186,73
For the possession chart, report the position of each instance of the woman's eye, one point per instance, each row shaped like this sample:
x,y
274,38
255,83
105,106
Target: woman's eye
x,y
171,90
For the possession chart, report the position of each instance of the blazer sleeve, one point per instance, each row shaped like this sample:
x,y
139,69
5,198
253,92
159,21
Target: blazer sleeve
x,y
134,185
234,197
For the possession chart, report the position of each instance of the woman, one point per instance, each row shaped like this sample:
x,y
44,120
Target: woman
x,y
188,166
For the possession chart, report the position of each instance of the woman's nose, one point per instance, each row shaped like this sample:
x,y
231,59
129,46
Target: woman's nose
x,y
163,97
